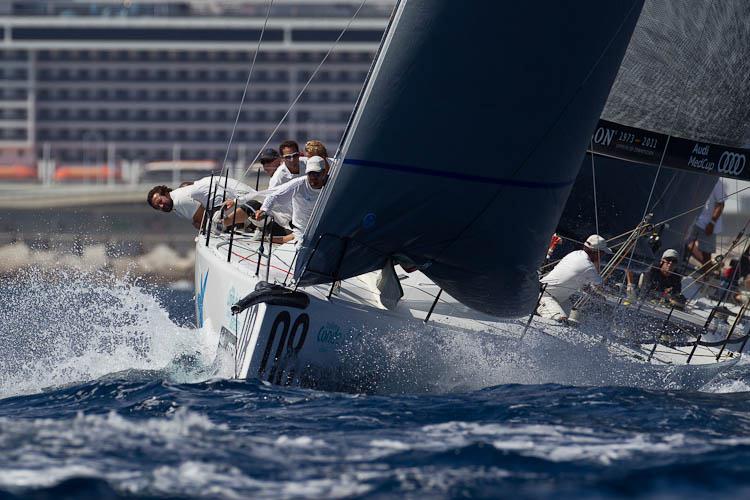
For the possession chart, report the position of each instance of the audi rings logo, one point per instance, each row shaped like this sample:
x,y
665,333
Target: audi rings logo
x,y
731,163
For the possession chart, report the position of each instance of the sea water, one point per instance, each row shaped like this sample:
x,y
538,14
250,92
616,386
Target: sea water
x,y
108,391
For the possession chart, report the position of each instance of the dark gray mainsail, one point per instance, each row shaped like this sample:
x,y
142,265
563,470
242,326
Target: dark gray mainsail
x,y
680,100
686,72
682,96
465,143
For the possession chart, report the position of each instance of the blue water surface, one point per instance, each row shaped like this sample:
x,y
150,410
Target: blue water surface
x,y
146,428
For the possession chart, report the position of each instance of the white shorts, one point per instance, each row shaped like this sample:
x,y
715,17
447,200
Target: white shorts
x,y
551,309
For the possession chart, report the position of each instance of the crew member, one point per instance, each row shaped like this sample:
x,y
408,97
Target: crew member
x,y
290,165
300,194
188,200
662,282
270,160
316,148
702,241
577,270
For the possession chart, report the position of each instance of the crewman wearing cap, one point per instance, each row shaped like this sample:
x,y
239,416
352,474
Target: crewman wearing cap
x,y
662,282
270,160
575,271
300,194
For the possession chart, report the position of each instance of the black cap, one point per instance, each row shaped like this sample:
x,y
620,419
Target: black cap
x,y
268,155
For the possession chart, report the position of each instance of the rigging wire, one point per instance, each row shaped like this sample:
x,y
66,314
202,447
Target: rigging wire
x,y
307,84
225,166
593,180
661,161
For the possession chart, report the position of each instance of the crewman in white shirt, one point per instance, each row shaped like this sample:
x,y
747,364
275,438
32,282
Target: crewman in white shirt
x,y
290,165
300,194
702,241
189,199
575,271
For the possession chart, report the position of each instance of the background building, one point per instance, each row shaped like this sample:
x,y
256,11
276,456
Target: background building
x,y
123,83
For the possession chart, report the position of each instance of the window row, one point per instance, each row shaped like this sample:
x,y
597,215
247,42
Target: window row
x,y
157,115
13,93
13,114
190,75
88,156
161,95
14,134
171,136
13,74
244,56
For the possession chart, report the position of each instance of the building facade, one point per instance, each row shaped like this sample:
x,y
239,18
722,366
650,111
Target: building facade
x,y
92,83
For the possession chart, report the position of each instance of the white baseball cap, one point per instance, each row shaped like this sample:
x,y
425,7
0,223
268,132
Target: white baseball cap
x,y
315,164
670,253
596,242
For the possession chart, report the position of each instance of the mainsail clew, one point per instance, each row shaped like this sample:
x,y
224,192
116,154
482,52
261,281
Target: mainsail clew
x,y
465,143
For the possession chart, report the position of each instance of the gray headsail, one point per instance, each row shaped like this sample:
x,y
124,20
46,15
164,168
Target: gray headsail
x,y
466,141
682,96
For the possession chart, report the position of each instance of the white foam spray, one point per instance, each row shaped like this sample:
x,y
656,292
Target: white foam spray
x,y
73,326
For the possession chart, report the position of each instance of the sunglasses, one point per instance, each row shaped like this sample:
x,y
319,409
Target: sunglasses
x,y
290,156
671,260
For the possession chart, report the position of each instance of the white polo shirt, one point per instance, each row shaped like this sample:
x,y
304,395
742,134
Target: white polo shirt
x,y
297,194
571,274
718,195
187,199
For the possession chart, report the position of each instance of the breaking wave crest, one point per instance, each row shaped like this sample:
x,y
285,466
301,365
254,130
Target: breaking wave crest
x,y
67,327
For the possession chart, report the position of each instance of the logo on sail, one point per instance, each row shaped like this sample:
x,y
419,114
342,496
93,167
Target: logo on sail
x,y
731,163
603,136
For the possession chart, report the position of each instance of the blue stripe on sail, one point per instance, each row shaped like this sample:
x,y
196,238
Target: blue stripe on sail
x,y
457,175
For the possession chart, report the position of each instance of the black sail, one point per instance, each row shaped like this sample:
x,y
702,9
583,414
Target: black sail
x,y
466,142
680,100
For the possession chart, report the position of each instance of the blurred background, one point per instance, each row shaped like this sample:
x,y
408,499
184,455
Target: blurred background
x,y
101,100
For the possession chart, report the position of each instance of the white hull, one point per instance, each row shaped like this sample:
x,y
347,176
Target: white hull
x,y
351,342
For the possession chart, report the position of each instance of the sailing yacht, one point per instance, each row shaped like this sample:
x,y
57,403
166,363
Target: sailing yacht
x,y
407,236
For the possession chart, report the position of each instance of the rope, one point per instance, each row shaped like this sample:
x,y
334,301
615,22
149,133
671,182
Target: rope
x,y
307,84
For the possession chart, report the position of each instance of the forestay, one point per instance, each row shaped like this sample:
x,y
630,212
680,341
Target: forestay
x,y
465,143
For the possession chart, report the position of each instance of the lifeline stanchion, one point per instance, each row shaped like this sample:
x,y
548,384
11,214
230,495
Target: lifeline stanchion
x,y
204,222
695,346
210,213
231,234
432,307
260,248
289,269
731,330
270,248
531,316
656,340
716,263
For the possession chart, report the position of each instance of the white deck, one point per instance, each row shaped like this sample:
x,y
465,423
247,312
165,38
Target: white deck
x,y
334,331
